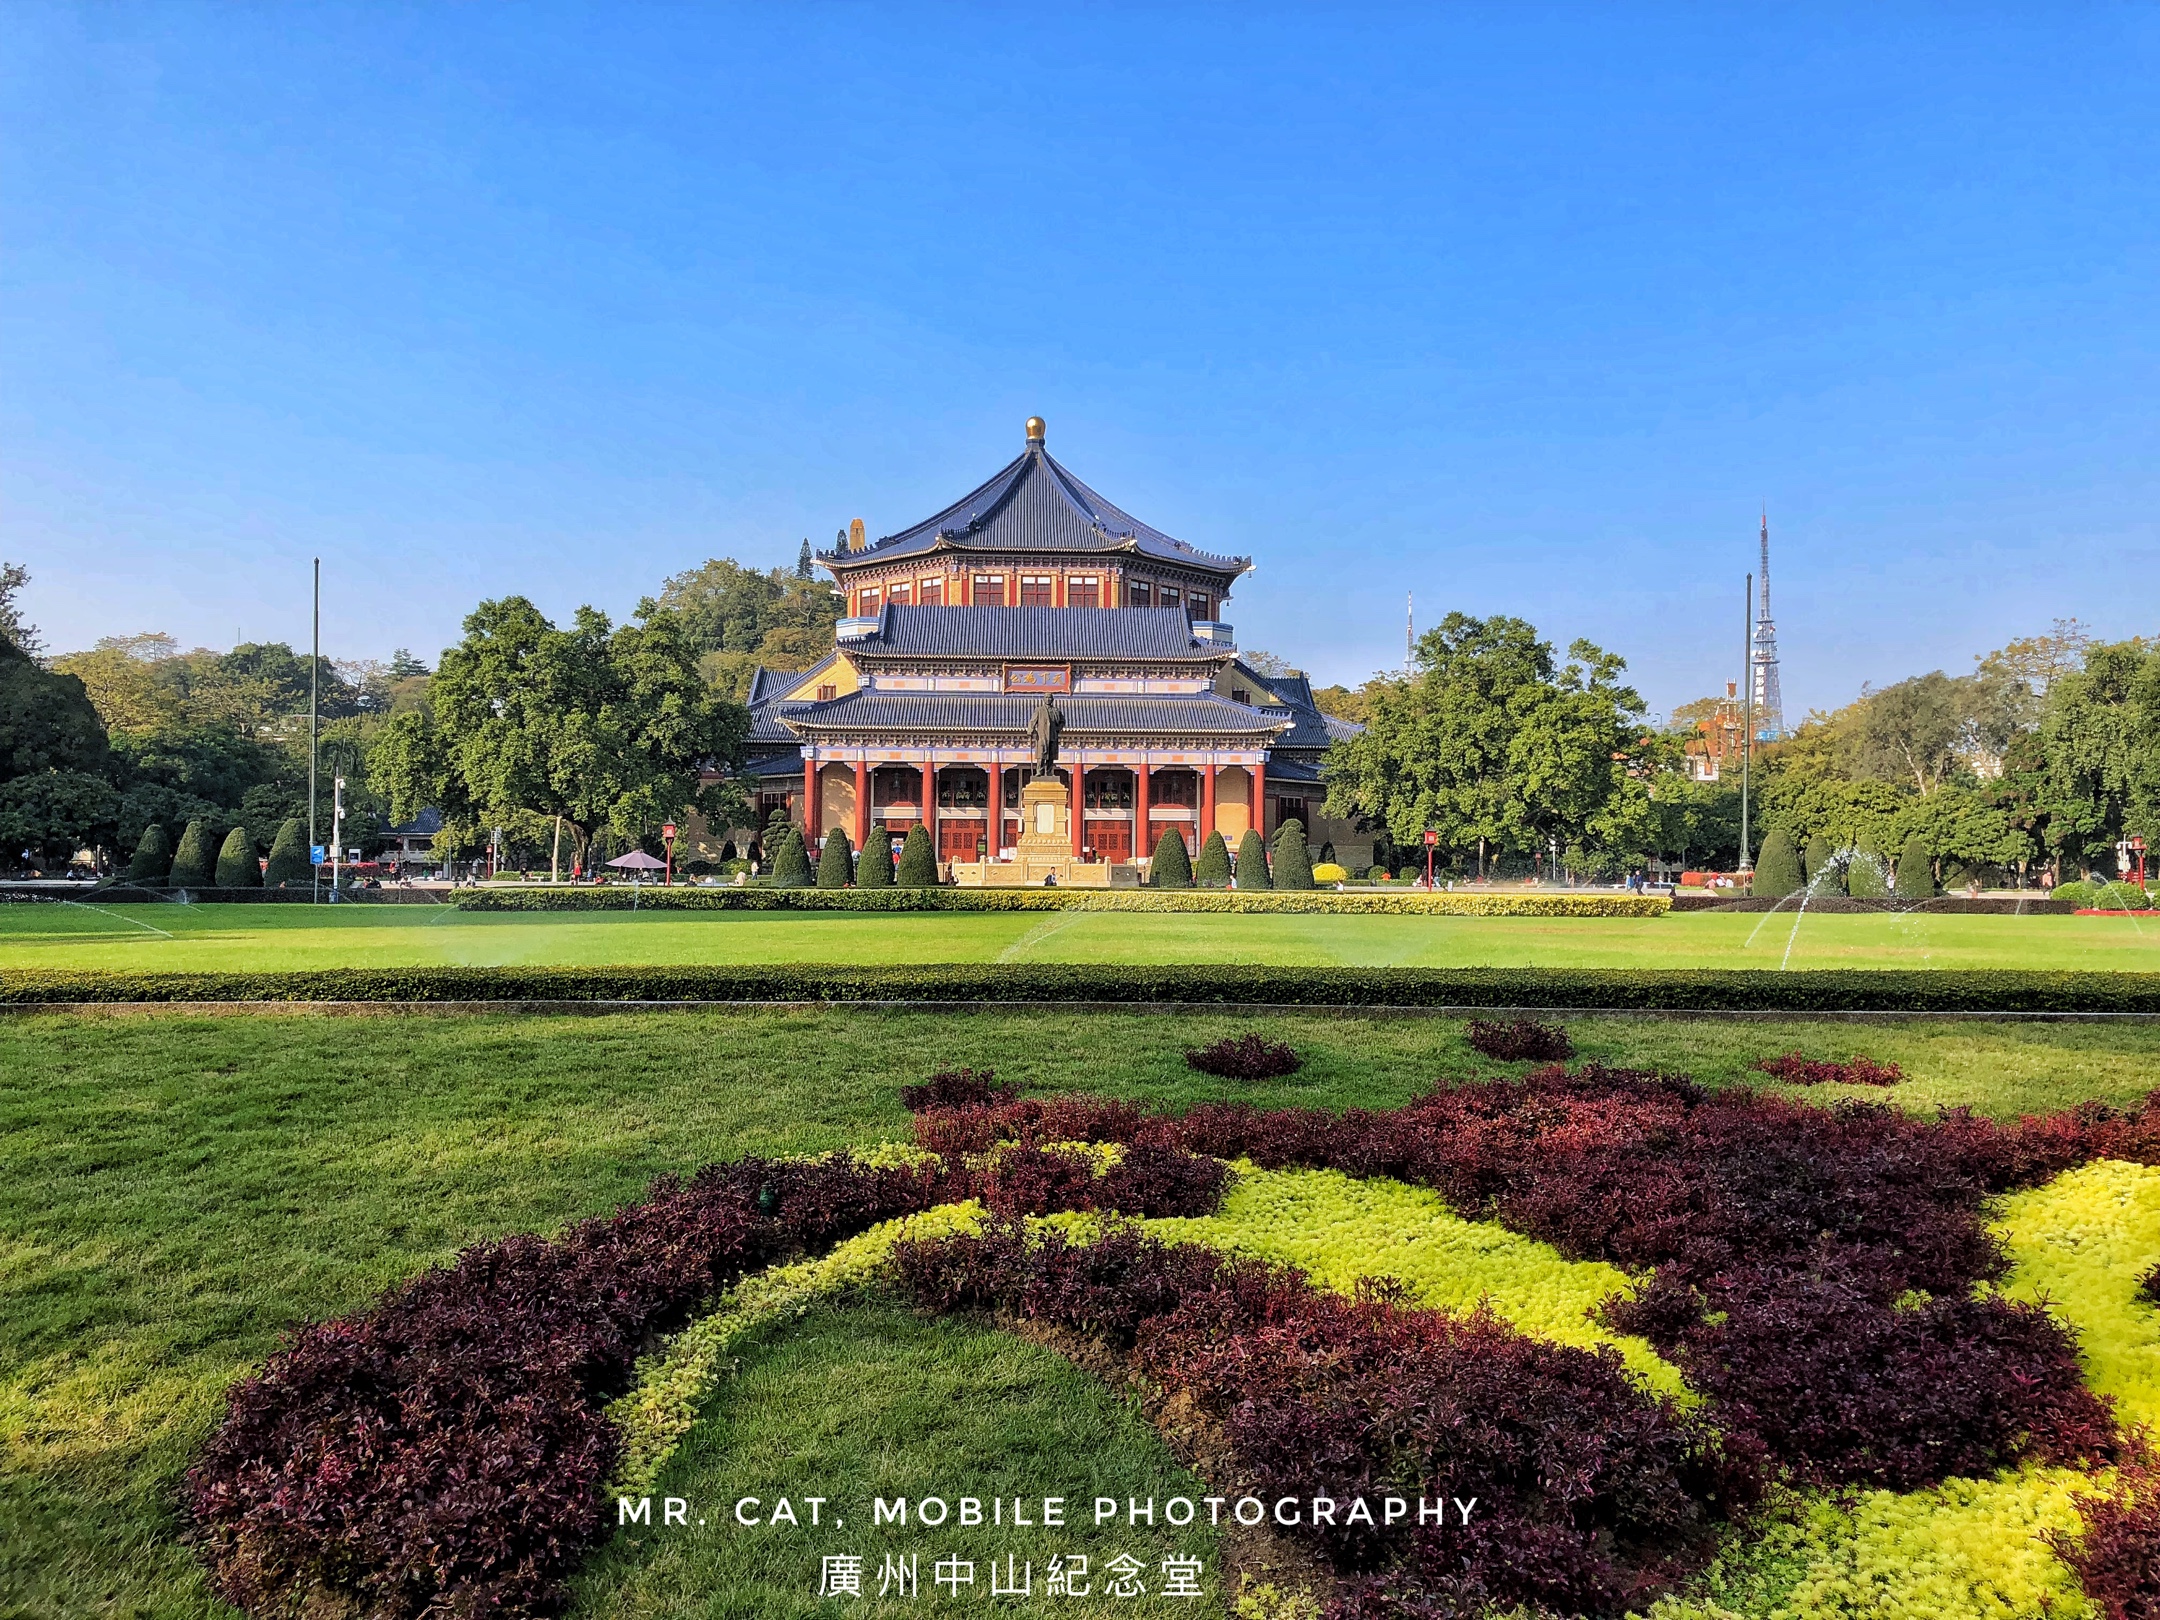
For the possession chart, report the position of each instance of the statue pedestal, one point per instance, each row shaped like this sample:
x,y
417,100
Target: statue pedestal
x,y
1044,852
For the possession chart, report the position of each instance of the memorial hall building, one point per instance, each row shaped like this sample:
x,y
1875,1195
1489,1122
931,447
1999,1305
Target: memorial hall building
x,y
955,629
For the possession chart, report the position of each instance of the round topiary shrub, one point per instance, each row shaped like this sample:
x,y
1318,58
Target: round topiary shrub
x,y
1329,872
1867,872
918,861
289,864
1252,872
193,862
875,869
1212,869
237,867
791,866
836,863
1915,874
1171,868
1777,867
1293,862
153,857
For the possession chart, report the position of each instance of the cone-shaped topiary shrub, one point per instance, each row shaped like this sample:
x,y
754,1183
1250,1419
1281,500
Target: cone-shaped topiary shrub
x,y
1293,862
153,857
836,866
1777,867
1819,858
236,864
874,870
1172,868
1212,869
1915,877
193,861
1865,878
289,862
791,865
918,861
1252,872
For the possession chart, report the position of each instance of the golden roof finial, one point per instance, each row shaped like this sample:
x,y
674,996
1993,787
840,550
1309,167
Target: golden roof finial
x,y
1035,430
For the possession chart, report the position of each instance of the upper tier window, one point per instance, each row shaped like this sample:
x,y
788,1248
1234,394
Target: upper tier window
x,y
1038,590
901,592
1140,593
1083,590
989,590
933,593
867,603
1196,607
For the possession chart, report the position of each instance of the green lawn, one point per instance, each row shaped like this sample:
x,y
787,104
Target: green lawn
x,y
174,1187
875,1401
174,937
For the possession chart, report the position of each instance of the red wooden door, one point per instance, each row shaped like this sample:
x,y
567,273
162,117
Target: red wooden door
x,y
958,836
1111,840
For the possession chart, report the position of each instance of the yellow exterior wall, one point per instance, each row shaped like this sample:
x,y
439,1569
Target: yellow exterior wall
x,y
841,675
836,799
1233,803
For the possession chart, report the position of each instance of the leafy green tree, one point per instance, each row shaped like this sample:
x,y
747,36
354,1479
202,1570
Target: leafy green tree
x,y
153,858
791,862
918,861
237,867
1959,824
1212,870
1915,876
875,869
289,863
47,722
50,815
1172,867
1698,823
1495,745
17,631
1252,872
836,862
1777,868
606,726
1293,862
193,862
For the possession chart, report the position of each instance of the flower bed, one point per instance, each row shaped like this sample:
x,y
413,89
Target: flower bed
x,y
1823,1280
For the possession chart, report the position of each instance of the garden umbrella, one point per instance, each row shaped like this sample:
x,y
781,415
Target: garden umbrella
x,y
639,861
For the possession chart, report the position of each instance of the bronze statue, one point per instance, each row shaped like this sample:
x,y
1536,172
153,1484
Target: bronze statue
x,y
1045,726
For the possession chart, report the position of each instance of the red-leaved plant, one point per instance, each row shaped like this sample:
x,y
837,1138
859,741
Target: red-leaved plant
x,y
1245,1057
1796,1070
1583,1480
1524,1039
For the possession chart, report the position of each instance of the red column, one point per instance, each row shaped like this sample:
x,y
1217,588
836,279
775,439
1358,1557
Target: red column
x,y
1143,846
1079,814
862,804
1207,805
810,804
996,808
929,801
1258,773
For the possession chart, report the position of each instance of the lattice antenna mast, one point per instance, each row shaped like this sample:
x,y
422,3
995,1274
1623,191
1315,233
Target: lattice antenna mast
x,y
1763,676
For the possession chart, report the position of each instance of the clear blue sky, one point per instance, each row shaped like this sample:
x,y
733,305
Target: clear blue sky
x,y
1527,310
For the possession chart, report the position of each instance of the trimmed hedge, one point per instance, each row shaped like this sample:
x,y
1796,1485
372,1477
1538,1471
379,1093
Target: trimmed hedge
x,y
1502,903
1626,989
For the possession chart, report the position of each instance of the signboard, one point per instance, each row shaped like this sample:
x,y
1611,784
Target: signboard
x,y
1431,838
1038,677
318,854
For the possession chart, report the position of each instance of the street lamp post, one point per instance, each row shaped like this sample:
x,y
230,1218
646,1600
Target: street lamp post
x,y
1432,838
667,836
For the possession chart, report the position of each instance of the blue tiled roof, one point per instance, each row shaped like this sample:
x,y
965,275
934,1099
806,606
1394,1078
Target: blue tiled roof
x,y
1202,715
1285,769
1034,504
424,825
1034,632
